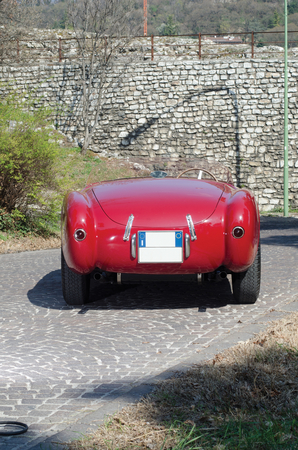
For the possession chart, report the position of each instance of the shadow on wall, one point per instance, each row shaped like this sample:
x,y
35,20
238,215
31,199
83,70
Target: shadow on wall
x,y
67,112
191,97
73,110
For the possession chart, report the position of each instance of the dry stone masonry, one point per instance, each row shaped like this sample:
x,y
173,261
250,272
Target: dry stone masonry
x,y
230,111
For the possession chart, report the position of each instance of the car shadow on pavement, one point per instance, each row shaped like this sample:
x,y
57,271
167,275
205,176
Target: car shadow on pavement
x,y
48,294
279,231
278,223
163,295
281,241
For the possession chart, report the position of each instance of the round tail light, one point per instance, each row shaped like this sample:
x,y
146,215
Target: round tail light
x,y
80,234
238,232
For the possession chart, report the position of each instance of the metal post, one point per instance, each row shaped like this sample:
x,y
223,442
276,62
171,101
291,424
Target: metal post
x,y
60,50
252,44
145,17
18,50
286,168
200,46
152,47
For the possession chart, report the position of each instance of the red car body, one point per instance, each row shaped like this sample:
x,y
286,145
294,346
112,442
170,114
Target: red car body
x,y
209,225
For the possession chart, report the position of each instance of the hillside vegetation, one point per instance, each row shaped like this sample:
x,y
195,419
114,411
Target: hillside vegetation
x,y
192,16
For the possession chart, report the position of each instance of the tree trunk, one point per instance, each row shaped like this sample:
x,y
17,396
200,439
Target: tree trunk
x,y
86,143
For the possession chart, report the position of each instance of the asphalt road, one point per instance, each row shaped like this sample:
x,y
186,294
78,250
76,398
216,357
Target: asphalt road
x,y
62,369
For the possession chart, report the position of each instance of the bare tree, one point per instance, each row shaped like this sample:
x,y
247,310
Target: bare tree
x,y
103,32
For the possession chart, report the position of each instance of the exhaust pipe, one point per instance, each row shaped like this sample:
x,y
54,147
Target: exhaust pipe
x,y
220,275
97,276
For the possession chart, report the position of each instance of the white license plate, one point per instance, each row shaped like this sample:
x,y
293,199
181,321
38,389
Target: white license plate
x,y
160,247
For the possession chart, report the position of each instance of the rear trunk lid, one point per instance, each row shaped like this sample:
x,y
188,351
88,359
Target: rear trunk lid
x,y
158,203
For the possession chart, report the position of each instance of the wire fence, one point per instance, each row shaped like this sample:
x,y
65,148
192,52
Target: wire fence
x,y
191,46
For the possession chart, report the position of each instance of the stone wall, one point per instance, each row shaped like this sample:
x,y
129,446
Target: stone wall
x,y
228,111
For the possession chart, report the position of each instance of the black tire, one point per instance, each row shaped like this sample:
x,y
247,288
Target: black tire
x,y
75,287
246,285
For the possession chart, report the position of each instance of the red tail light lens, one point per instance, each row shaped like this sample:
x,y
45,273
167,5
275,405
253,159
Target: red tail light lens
x,y
80,234
238,232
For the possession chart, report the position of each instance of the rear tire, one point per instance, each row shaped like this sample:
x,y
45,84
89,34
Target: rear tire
x,y
75,287
246,285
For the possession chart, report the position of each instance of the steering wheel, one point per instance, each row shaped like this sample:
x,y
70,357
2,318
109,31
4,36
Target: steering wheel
x,y
200,174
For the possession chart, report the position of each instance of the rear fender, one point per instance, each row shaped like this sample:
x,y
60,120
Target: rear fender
x,y
77,213
242,211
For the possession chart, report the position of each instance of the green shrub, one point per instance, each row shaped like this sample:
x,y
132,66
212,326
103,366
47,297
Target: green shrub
x,y
18,224
27,156
28,153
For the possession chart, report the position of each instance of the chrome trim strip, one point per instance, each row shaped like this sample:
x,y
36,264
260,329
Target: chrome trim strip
x,y
133,247
128,228
187,245
191,227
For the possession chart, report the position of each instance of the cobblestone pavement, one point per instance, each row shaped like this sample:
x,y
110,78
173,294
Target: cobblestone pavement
x,y
59,363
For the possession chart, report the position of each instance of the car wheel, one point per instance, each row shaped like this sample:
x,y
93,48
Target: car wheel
x,y
75,287
246,285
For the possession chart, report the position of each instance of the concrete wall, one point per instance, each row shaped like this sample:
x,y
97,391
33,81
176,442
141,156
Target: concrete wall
x,y
227,111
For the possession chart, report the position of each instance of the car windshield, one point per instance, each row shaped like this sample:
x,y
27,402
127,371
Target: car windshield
x,y
190,168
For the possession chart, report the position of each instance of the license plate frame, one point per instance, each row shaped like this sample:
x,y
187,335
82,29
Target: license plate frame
x,y
160,247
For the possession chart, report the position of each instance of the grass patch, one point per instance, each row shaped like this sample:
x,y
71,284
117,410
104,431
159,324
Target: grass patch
x,y
245,398
278,211
75,171
4,236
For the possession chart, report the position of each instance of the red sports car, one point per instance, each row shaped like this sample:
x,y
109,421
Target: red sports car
x,y
194,223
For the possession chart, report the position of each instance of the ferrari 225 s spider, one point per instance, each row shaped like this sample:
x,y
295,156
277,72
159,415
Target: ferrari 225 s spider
x,y
195,224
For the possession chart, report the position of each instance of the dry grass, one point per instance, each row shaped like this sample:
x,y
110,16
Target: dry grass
x,y
27,243
246,397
